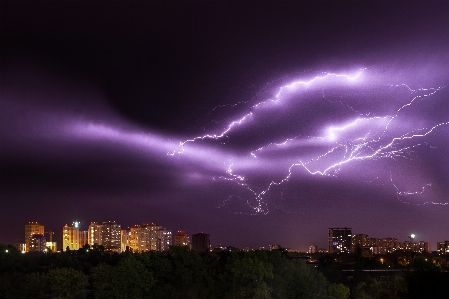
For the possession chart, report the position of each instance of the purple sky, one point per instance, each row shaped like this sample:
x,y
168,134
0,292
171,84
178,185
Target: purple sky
x,y
258,123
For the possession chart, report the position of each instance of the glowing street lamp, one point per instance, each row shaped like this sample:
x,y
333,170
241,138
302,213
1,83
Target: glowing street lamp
x,y
412,236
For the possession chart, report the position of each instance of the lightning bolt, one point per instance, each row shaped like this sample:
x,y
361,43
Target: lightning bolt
x,y
367,145
276,99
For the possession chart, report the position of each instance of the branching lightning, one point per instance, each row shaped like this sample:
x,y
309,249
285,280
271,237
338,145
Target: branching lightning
x,y
360,139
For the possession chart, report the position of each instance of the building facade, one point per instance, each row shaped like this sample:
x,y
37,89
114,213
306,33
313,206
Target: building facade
x,y
144,237
182,239
443,248
94,234
201,242
110,236
38,243
340,240
71,237
52,246
164,239
362,241
32,228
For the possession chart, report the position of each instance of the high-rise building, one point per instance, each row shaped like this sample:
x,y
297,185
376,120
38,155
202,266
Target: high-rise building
x,y
374,243
387,245
182,239
361,240
422,246
71,236
164,239
144,237
32,228
110,236
94,234
201,242
38,243
443,248
340,240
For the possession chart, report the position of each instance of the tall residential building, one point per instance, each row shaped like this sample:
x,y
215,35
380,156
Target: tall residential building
x,y
421,246
149,237
94,234
144,237
201,242
38,243
340,240
164,239
374,245
32,228
360,240
71,237
387,245
443,248
110,236
182,239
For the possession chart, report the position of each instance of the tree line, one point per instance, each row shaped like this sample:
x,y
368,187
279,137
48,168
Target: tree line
x,y
183,273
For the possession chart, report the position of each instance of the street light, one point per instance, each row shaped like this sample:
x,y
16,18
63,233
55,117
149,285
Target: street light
x,y
412,236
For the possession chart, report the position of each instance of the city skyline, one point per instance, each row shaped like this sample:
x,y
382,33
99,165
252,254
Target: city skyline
x,y
259,123
74,236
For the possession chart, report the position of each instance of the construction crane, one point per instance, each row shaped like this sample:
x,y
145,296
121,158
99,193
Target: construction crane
x,y
50,234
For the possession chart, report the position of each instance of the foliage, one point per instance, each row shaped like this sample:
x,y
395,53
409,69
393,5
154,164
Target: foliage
x,y
338,291
130,279
182,273
251,273
297,280
394,287
67,283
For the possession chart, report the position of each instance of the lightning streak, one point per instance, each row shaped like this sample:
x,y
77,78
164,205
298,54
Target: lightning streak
x,y
363,138
277,98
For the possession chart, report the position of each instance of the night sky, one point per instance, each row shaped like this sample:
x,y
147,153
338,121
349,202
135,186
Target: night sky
x,y
256,122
